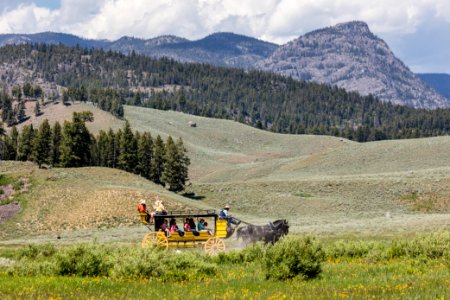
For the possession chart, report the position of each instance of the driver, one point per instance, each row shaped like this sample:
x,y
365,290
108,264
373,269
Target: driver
x,y
224,215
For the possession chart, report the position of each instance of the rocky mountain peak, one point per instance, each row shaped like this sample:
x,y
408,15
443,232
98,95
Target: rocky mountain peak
x,y
350,56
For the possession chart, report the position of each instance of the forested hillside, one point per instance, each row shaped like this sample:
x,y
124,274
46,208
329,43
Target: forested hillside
x,y
260,99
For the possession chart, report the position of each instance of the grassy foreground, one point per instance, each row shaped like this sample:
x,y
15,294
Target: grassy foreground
x,y
417,268
350,279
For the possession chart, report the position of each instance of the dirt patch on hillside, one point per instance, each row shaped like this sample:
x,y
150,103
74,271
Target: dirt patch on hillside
x,y
8,211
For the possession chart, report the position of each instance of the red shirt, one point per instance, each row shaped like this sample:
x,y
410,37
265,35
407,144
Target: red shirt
x,y
142,208
187,227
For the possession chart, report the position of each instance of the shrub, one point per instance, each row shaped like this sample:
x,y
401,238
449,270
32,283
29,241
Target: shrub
x,y
249,254
33,251
144,263
83,261
349,249
431,246
294,257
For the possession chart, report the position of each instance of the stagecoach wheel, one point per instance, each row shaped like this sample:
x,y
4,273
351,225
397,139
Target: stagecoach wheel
x,y
214,246
153,239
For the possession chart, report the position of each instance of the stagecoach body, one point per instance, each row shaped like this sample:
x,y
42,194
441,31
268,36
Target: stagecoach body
x,y
212,243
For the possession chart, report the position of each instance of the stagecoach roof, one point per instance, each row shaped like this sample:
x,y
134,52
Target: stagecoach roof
x,y
207,213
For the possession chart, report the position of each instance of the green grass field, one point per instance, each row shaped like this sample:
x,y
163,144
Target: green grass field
x,y
337,190
354,270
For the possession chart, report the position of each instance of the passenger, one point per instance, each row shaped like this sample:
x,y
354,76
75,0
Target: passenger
x,y
142,208
206,227
187,227
202,226
224,215
160,210
193,227
174,227
165,228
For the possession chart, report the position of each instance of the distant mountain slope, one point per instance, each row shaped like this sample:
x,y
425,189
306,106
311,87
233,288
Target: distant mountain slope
x,y
223,48
51,38
439,82
261,99
347,55
350,56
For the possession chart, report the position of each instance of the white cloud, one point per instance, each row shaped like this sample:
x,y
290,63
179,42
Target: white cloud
x,y
273,20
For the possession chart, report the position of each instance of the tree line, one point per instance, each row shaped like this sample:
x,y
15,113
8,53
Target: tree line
x,y
260,99
12,104
72,145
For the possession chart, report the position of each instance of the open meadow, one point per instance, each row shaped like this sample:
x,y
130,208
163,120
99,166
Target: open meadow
x,y
368,205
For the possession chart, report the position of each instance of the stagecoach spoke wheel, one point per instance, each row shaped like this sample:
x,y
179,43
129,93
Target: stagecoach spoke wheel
x,y
214,246
155,239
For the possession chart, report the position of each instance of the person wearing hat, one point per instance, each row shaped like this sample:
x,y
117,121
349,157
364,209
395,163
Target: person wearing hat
x,y
160,210
224,215
142,208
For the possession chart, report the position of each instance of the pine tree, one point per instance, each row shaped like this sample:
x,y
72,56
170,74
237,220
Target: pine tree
x,y
14,136
27,90
76,141
2,142
158,161
184,162
56,144
144,154
176,165
102,148
37,109
112,150
25,143
171,166
128,149
17,92
7,109
21,112
42,148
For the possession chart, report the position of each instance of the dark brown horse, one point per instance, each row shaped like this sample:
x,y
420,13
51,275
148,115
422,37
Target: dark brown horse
x,y
269,233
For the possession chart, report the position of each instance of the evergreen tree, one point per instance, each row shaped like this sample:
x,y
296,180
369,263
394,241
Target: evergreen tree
x,y
144,154
2,142
112,149
27,90
184,162
21,112
176,165
25,143
76,141
102,148
17,92
56,144
128,149
37,109
42,148
171,166
7,109
14,138
158,161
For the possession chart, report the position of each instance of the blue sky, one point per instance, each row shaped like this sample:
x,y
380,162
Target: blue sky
x,y
418,31
52,4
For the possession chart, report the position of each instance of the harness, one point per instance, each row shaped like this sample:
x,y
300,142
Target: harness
x,y
272,226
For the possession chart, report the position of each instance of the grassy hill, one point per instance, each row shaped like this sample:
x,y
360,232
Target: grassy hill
x,y
319,183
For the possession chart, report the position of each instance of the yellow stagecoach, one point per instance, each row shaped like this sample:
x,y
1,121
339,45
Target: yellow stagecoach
x,y
211,241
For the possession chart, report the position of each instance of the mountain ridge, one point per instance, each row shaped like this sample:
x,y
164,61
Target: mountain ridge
x,y
348,55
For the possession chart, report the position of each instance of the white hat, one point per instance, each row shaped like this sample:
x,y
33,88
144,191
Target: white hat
x,y
142,201
227,206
